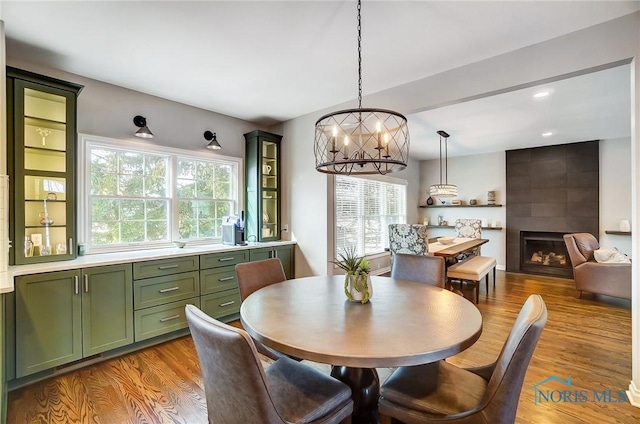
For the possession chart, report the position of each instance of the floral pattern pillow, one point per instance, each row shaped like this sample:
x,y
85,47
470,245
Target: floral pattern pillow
x,y
470,228
408,238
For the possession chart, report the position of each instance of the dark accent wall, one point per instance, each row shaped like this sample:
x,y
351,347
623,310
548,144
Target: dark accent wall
x,y
553,188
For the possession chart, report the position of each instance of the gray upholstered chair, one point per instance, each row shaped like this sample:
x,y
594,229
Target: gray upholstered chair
x,y
440,392
239,391
610,279
423,269
408,238
256,275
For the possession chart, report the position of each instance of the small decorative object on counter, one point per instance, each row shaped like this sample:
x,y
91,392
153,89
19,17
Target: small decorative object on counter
x,y
625,226
430,201
81,249
491,197
473,202
357,286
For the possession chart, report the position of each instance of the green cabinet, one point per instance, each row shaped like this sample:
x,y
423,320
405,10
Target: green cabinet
x,y
161,290
68,315
262,202
284,253
41,129
219,284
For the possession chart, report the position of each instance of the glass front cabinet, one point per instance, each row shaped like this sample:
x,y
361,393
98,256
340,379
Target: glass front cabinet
x,y
41,126
262,202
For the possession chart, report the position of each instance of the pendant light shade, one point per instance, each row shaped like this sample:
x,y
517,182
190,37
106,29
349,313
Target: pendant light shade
x,y
141,123
362,140
213,141
443,189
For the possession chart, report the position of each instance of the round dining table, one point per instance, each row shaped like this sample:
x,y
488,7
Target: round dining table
x,y
405,323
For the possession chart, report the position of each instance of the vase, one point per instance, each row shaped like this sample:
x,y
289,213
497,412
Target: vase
x,y
357,287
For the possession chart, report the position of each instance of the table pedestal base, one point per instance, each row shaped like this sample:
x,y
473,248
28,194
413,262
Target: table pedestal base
x,y
365,389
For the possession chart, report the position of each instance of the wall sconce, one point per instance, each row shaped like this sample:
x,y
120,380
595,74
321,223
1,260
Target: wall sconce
x,y
213,141
144,131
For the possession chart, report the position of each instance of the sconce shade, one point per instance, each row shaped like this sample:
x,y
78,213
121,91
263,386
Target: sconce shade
x,y
213,141
141,123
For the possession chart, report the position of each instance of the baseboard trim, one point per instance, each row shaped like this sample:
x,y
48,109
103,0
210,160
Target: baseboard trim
x,y
633,394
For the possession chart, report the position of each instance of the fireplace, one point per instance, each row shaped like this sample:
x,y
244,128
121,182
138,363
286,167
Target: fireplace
x,y
544,252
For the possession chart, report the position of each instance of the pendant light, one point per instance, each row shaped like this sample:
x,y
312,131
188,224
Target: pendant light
x,y
362,140
446,189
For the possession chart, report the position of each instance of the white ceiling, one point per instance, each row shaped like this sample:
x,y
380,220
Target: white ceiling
x,y
267,61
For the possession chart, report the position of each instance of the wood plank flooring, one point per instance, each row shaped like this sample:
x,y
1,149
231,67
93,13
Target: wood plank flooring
x,y
588,340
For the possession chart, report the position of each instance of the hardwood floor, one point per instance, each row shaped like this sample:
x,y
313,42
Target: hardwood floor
x,y
587,340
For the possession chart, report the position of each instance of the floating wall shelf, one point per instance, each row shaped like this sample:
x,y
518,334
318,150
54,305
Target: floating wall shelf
x,y
460,206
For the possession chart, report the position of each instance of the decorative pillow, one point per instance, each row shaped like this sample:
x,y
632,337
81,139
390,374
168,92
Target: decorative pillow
x,y
610,256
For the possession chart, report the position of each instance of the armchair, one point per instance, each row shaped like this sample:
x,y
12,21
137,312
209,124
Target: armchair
x,y
610,279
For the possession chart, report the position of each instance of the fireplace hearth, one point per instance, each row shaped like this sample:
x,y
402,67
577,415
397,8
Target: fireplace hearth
x,y
544,253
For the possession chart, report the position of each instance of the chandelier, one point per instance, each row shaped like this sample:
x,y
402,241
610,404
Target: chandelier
x,y
362,140
443,190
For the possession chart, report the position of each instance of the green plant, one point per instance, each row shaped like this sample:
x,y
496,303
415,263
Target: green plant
x,y
356,270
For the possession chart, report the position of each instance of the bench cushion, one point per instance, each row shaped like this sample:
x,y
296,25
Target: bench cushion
x,y
474,268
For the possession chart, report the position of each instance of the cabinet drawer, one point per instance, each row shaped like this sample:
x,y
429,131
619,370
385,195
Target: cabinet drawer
x,y
218,279
152,322
162,267
161,290
218,305
215,260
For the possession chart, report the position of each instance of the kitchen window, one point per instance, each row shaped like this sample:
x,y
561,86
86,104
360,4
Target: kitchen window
x,y
142,196
364,208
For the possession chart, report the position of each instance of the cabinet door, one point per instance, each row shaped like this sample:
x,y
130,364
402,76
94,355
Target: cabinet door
x,y
42,169
48,321
107,308
262,202
285,254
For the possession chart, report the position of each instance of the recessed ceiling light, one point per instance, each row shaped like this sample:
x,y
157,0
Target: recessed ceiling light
x,y
547,134
541,94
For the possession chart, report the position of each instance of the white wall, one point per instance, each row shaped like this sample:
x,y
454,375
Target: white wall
x,y
615,191
474,176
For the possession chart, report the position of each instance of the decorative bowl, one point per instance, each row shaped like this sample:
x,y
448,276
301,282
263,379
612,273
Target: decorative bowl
x,y
446,240
179,244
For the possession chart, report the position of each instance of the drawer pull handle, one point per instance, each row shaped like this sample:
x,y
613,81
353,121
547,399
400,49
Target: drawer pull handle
x,y
226,278
167,267
75,280
228,303
169,318
226,259
86,284
169,290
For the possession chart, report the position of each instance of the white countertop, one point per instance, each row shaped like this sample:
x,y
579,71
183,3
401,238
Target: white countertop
x,y
6,278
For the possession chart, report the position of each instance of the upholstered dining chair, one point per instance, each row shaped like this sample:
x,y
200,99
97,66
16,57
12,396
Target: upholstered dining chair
x,y
239,391
408,238
423,269
469,228
440,392
256,275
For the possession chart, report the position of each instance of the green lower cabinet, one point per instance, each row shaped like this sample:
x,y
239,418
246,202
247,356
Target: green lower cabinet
x,y
222,304
284,253
159,320
65,316
107,308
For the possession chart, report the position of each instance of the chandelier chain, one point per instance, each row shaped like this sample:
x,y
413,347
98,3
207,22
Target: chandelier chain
x,y
359,56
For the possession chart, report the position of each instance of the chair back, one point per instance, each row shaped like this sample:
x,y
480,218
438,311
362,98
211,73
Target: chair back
x,y
580,247
408,238
234,382
500,401
471,228
258,274
423,269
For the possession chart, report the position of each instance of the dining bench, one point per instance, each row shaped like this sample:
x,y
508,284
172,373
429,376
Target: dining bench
x,y
473,269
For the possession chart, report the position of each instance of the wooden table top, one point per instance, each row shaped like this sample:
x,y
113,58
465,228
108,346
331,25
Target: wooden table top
x,y
405,323
456,249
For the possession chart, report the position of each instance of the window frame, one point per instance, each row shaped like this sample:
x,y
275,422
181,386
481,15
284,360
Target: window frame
x,y
86,141
379,178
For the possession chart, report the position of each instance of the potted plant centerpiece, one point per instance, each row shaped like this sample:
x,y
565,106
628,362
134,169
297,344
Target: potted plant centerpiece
x,y
357,286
